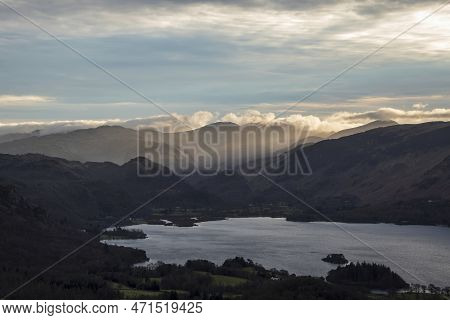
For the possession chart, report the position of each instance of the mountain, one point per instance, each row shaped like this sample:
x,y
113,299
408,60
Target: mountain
x,y
107,143
85,192
394,174
374,164
364,128
18,136
310,140
31,241
225,143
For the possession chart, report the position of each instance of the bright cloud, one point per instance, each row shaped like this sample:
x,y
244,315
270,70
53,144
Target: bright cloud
x,y
321,126
27,99
419,106
345,26
401,116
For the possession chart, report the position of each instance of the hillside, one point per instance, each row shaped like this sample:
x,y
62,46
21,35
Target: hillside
x,y
31,241
80,192
361,129
225,143
395,174
384,172
113,144
17,136
392,174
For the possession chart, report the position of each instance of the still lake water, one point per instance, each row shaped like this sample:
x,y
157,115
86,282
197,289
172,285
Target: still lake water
x,y
424,251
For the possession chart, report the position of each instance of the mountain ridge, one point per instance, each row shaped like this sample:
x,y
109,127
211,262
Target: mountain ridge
x,y
391,174
397,173
75,191
369,126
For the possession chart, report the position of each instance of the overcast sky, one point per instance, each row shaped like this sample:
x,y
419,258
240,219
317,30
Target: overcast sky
x,y
223,57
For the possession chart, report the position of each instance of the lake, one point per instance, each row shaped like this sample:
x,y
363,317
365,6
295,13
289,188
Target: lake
x,y
423,251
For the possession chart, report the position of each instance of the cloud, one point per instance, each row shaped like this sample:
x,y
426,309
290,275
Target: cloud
x,y
315,125
163,122
176,122
26,99
340,26
217,55
400,116
419,106
224,54
381,100
369,7
50,127
340,120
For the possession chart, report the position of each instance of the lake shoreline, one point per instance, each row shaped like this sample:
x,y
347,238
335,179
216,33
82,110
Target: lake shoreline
x,y
298,246
193,221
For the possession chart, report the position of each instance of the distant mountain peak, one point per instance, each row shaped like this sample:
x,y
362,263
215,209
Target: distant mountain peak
x,y
109,127
366,127
222,123
390,122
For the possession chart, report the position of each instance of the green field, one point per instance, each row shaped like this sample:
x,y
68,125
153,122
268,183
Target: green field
x,y
132,293
224,281
227,281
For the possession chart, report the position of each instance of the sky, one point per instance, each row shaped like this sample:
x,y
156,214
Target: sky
x,y
235,60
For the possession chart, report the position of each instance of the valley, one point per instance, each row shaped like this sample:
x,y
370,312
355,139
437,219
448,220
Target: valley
x,y
396,174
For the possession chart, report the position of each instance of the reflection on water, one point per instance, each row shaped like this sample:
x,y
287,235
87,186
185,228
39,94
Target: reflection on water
x,y
299,247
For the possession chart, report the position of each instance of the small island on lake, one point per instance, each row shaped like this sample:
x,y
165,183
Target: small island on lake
x,y
121,234
335,258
